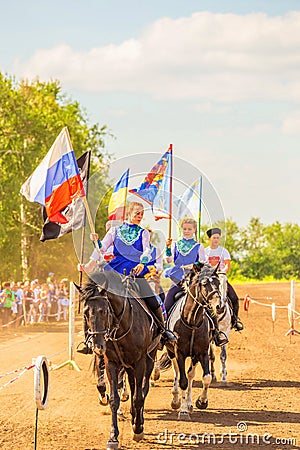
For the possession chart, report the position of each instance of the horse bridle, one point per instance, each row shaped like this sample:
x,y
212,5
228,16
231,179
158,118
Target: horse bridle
x,y
207,297
110,333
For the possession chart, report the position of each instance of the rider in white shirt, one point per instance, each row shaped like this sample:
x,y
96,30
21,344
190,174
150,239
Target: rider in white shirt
x,y
215,254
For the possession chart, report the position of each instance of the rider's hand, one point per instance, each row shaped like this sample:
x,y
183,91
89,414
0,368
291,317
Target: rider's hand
x,y
80,267
94,237
168,242
138,269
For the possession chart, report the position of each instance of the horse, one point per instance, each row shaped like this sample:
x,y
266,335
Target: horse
x,y
188,319
224,315
123,331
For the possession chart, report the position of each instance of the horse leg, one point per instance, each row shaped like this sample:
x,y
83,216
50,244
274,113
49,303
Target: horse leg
x,y
112,373
138,401
223,357
101,386
191,376
202,400
183,383
176,402
123,392
149,368
212,359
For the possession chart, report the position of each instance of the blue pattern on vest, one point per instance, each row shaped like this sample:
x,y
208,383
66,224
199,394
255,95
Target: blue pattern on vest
x,y
128,248
176,273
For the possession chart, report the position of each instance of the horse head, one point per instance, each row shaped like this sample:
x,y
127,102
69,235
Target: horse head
x,y
204,284
97,314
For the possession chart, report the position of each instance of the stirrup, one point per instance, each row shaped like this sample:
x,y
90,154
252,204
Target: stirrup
x,y
85,350
220,338
169,335
237,325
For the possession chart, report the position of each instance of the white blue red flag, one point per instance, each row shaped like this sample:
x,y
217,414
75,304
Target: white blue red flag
x,y
56,181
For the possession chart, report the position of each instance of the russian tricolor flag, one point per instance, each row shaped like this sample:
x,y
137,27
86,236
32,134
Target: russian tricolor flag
x,y
56,181
117,202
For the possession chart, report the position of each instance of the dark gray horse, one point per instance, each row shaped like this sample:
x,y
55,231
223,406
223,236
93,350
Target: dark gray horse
x,y
190,322
124,332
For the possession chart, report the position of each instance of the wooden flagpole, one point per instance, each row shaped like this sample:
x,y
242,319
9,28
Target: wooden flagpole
x,y
171,192
87,208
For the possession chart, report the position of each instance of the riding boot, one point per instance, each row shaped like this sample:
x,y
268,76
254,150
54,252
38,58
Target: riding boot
x,y
236,323
82,346
168,335
220,338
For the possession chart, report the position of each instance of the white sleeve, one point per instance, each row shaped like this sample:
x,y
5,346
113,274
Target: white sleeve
x,y
159,259
201,254
226,254
146,255
107,241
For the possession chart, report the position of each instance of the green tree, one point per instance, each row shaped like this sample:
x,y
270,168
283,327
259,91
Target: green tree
x,y
31,117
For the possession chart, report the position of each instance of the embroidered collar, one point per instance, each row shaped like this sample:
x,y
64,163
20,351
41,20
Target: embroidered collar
x,y
129,233
184,246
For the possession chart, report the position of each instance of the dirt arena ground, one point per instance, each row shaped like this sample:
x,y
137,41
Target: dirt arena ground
x,y
262,396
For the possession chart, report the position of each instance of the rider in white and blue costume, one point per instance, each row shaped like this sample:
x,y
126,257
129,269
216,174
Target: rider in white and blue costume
x,y
184,253
131,250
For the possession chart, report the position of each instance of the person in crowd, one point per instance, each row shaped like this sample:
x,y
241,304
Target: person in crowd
x,y
19,296
7,300
131,250
183,253
62,300
29,301
52,300
216,254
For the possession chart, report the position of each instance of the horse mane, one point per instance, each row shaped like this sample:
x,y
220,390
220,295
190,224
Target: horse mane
x,y
110,281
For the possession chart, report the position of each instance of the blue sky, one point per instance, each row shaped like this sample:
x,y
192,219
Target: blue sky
x,y
218,79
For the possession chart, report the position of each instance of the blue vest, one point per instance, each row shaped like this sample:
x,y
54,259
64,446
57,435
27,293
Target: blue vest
x,y
128,248
183,258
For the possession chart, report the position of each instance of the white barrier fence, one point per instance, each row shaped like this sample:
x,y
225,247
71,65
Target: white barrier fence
x,y
293,315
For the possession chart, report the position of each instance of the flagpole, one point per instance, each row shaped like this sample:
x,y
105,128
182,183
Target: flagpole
x,y
87,208
171,192
200,208
125,199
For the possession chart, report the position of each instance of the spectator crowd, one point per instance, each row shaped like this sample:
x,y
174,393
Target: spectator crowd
x,y
30,302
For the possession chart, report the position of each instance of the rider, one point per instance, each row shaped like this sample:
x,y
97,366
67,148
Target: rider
x,y
216,254
184,253
131,250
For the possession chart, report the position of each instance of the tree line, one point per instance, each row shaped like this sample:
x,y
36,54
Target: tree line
x,y
31,116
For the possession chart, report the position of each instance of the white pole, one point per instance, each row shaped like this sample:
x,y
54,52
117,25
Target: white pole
x,y
71,363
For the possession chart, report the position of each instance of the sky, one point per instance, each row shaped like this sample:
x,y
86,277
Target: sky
x,y
220,80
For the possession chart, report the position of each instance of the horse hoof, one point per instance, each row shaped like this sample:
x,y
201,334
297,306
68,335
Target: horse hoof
x,y
124,398
201,405
214,379
175,405
184,415
104,400
112,445
138,437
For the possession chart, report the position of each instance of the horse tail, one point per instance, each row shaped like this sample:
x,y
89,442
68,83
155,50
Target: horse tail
x,y
164,363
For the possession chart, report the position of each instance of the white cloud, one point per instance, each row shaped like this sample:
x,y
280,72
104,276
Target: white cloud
x,y
206,56
291,123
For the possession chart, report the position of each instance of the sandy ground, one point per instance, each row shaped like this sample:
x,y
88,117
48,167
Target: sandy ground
x,y
262,394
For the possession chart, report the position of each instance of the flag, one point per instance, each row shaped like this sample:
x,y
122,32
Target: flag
x,y
162,204
117,202
190,203
151,184
74,213
56,181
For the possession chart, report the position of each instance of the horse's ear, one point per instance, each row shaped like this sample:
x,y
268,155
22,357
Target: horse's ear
x,y
79,288
197,267
216,269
